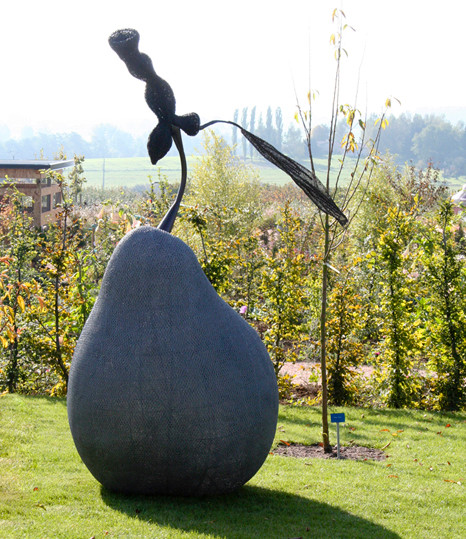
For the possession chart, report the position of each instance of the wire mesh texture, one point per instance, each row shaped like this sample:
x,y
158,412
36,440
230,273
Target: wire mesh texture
x,y
161,100
170,391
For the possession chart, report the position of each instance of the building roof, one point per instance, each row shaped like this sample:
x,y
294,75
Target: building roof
x,y
460,196
35,164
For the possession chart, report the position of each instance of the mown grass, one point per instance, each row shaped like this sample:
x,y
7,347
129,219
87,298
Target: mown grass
x,y
133,171
418,491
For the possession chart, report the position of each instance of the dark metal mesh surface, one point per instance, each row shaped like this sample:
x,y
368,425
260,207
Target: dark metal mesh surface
x,y
303,177
171,391
158,93
161,100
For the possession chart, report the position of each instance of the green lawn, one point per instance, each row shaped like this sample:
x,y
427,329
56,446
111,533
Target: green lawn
x,y
417,492
132,171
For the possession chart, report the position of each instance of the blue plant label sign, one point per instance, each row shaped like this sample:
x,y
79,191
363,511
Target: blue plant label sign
x,y
337,418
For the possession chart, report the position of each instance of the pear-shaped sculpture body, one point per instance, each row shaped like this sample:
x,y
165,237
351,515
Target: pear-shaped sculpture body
x,y
170,390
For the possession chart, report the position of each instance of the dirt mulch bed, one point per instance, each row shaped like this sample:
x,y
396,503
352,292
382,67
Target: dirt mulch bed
x,y
317,452
297,392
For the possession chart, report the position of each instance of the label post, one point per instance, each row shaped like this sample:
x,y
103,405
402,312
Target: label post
x,y
338,418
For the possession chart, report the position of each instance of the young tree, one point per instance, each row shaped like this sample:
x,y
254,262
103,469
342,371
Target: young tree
x,y
18,285
344,348
446,320
283,292
59,258
364,152
222,206
224,185
397,320
76,179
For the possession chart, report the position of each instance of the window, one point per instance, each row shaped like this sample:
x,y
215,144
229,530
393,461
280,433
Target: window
x,y
46,182
25,180
28,203
46,203
56,199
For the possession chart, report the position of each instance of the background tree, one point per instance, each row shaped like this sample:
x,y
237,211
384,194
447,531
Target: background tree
x,y
235,131
279,127
269,130
293,144
439,142
319,140
261,127
244,121
399,134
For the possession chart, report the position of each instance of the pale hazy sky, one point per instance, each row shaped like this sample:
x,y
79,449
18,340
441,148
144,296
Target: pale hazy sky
x,y
59,73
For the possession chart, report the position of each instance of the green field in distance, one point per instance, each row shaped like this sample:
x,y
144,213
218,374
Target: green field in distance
x,y
133,171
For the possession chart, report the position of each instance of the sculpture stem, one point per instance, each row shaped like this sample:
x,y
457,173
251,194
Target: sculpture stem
x,y
169,220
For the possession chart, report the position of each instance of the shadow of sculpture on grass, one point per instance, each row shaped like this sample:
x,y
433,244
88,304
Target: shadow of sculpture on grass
x,y
249,512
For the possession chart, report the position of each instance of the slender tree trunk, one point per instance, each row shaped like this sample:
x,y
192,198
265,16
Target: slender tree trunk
x,y
57,332
12,370
323,340
60,361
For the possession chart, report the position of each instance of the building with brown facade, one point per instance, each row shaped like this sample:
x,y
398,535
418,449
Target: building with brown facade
x,y
42,196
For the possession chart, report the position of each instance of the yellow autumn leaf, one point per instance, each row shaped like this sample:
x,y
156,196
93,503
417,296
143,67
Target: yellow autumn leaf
x,y
350,117
21,304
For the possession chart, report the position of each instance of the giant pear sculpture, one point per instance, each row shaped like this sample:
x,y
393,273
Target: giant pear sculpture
x,y
170,390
